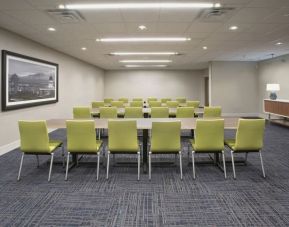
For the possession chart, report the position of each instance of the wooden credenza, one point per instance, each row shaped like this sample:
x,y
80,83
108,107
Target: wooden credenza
x,y
279,108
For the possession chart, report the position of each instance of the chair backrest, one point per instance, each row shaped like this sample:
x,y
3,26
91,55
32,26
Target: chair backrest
x,y
159,112
108,112
249,135
33,136
209,135
212,111
166,136
133,112
118,104
152,99
97,104
136,104
164,100
122,136
185,112
155,104
81,136
137,99
81,112
181,99
172,104
108,100
124,100
194,104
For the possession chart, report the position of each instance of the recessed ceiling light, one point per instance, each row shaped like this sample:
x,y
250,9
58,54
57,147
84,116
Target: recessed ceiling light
x,y
279,43
152,39
145,61
142,53
205,47
142,27
145,66
170,5
217,5
234,27
83,48
51,29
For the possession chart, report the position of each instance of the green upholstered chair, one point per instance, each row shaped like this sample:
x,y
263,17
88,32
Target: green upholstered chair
x,y
209,138
34,140
137,99
164,100
81,112
122,139
249,138
172,104
124,100
212,111
181,99
108,112
81,139
194,104
107,101
185,112
136,104
159,112
97,104
117,104
166,139
155,104
133,112
152,99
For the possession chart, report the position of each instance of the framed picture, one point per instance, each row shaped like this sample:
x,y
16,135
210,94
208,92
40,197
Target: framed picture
x,y
27,81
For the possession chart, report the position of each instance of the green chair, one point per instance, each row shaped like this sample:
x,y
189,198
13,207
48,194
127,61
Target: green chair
x,y
108,112
137,99
155,104
249,138
124,100
81,112
172,104
159,112
152,99
166,139
133,112
81,140
122,139
194,104
136,104
181,100
164,100
185,112
107,101
34,140
212,111
97,104
209,138
117,104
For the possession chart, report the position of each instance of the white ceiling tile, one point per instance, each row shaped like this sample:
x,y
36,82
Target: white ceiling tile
x,y
203,27
144,15
172,15
31,16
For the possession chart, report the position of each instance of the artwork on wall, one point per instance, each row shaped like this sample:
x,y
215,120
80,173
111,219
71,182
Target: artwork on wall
x,y
27,81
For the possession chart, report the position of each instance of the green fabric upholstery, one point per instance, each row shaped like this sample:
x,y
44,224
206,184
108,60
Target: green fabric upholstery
x,y
194,104
133,112
136,104
164,100
108,112
172,104
137,99
166,137
34,137
118,104
159,112
155,104
249,135
185,112
124,100
212,111
97,104
152,99
108,100
81,136
181,99
122,136
209,135
81,112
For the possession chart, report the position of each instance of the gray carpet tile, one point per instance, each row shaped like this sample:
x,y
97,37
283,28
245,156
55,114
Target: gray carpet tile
x,y
210,200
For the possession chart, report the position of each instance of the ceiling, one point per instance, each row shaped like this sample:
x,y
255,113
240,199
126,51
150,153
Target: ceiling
x,y
262,23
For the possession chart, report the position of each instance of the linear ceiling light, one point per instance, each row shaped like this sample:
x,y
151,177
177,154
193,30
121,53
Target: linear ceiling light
x,y
170,5
142,53
145,66
145,61
145,39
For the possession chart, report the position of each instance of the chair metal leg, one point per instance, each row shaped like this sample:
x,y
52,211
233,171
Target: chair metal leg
x,y
63,156
20,167
150,165
67,165
107,164
37,159
193,164
97,170
138,165
224,164
264,175
233,164
50,169
181,164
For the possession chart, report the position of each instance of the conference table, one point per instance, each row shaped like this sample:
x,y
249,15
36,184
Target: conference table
x,y
145,124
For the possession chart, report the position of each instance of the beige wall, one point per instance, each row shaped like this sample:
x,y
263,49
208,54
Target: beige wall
x,y
79,84
155,83
234,86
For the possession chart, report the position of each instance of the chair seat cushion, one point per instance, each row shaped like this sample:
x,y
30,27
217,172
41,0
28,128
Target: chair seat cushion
x,y
53,144
192,141
98,145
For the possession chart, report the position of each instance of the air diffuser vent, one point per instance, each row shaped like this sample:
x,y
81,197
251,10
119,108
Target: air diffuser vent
x,y
66,16
216,14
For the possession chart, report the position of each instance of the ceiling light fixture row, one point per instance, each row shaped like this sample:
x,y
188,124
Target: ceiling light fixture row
x,y
146,66
143,53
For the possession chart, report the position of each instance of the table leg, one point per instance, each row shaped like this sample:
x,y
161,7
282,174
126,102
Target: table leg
x,y
144,148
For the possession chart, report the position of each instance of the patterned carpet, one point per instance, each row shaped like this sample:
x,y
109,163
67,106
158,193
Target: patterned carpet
x,y
209,200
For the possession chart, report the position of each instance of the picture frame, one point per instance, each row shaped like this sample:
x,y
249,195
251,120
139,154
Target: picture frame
x,y
27,81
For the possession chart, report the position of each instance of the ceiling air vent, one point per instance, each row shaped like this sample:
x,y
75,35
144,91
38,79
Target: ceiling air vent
x,y
216,14
66,16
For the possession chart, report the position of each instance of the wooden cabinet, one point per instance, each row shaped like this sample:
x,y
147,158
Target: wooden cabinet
x,y
278,107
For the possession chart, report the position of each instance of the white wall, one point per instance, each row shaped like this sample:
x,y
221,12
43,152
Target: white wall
x,y
234,86
155,83
273,71
79,84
